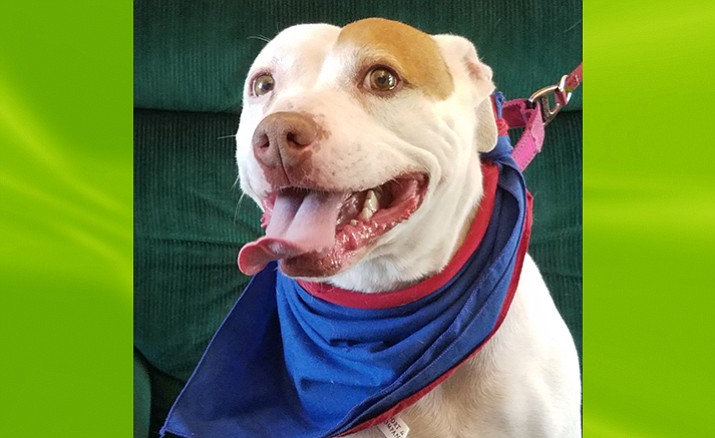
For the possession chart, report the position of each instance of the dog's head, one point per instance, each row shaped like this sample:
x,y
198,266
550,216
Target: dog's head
x,y
361,146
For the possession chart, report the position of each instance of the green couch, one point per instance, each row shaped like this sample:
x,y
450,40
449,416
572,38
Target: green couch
x,y
190,221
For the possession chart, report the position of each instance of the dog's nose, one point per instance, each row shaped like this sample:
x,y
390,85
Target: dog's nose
x,y
284,139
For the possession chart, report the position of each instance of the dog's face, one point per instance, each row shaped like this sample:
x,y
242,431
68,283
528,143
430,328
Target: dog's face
x,y
361,146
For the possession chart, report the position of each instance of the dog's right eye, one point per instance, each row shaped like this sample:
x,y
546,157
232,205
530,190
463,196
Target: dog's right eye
x,y
263,84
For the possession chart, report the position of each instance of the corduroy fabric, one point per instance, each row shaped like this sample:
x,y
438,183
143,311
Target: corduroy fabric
x,y
188,229
193,55
164,389
142,397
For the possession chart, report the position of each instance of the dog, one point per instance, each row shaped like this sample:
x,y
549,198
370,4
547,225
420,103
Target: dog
x,y
362,146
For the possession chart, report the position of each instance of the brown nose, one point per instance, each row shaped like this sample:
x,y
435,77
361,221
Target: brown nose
x,y
284,140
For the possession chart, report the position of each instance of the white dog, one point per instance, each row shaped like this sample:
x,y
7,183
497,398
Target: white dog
x,y
374,132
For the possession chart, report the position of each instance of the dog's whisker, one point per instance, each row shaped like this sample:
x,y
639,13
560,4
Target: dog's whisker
x,y
259,37
226,136
235,212
573,26
238,206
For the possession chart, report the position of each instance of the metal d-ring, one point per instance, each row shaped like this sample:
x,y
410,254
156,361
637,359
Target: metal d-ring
x,y
561,97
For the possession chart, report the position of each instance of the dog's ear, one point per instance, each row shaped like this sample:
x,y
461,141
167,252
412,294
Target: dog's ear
x,y
461,57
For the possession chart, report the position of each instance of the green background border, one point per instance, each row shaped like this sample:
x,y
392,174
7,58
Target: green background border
x,y
66,219
649,219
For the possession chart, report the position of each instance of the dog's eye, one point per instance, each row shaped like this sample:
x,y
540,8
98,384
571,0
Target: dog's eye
x,y
381,79
263,84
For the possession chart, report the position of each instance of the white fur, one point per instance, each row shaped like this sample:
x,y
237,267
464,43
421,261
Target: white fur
x,y
525,382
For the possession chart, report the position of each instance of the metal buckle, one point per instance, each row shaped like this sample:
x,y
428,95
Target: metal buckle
x,y
549,111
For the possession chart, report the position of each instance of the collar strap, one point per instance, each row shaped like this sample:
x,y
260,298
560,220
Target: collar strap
x,y
519,114
534,113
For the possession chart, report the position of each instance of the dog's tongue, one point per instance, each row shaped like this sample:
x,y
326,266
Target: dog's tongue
x,y
301,222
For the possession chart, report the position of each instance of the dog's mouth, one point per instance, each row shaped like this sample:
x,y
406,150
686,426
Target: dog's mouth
x,y
316,233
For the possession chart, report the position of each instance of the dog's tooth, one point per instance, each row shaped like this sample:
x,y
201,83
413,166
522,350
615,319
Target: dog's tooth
x,y
353,222
371,201
365,214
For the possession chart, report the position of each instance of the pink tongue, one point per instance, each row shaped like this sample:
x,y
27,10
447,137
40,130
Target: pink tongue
x,y
300,223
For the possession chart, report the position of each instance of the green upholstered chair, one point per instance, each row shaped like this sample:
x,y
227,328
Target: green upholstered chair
x,y
190,221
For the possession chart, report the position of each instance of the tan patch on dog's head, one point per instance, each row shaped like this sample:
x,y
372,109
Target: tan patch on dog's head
x,y
412,53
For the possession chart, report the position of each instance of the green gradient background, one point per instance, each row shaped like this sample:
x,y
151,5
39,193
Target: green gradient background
x,y
649,219
66,219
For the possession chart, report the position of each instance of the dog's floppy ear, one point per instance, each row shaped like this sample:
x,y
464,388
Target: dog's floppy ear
x,y
461,57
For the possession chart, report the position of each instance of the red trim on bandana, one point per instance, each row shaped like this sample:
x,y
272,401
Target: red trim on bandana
x,y
502,127
347,298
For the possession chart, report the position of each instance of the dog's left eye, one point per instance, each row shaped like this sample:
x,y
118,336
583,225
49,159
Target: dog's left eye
x,y
381,79
263,84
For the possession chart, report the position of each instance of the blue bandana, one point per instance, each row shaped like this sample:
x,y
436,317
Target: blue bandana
x,y
290,362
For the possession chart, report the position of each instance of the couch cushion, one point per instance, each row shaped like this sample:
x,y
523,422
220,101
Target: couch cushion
x,y
193,55
188,230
